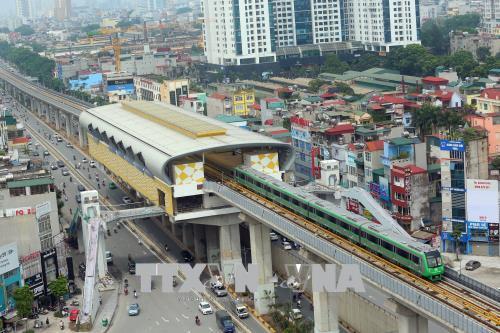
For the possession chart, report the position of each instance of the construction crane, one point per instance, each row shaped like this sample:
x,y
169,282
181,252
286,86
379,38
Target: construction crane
x,y
117,48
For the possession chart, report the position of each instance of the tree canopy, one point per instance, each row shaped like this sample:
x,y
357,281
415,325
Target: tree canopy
x,y
24,301
334,65
436,33
59,286
25,30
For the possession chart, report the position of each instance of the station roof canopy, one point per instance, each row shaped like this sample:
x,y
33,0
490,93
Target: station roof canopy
x,y
162,133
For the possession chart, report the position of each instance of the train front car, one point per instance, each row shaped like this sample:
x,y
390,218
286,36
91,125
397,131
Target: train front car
x,y
433,267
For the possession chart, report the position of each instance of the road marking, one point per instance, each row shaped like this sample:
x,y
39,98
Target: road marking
x,y
157,323
165,320
178,320
183,315
210,329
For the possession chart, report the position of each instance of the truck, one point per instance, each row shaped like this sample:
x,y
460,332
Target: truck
x,y
224,322
239,309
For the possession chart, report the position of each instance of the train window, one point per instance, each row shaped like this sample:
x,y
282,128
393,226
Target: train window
x,y
344,225
363,234
402,253
332,219
285,197
415,259
433,259
295,201
276,193
387,245
354,229
372,239
320,213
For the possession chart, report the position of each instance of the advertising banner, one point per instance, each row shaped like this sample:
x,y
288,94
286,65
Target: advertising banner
x,y
493,232
449,145
384,188
482,200
8,258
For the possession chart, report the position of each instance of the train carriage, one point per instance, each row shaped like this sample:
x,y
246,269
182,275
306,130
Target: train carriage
x,y
400,249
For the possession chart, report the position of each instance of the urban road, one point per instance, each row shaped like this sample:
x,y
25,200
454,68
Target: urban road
x,y
159,311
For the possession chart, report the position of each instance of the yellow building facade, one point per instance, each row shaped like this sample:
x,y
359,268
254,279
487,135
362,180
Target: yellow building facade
x,y
243,99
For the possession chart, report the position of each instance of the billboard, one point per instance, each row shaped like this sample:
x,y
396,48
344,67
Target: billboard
x,y
384,188
482,200
267,163
449,145
8,258
189,173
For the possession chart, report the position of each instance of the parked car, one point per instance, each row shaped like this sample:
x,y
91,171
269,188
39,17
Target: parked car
x,y
296,246
109,258
218,289
78,198
112,186
65,172
273,236
81,188
36,154
92,164
69,145
205,308
53,167
46,153
59,139
286,245
84,160
472,265
187,256
127,200
295,314
60,164
134,309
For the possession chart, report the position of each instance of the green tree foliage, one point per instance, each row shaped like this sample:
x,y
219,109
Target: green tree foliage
x,y
463,62
344,88
25,30
412,60
24,301
32,64
367,61
59,287
483,53
435,33
429,119
315,84
334,65
37,47
90,28
496,163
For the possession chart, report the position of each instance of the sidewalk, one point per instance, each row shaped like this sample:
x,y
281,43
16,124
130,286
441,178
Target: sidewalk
x,y
488,273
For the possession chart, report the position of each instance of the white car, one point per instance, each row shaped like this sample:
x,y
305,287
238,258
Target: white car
x,y
92,164
84,160
273,236
295,314
205,308
286,245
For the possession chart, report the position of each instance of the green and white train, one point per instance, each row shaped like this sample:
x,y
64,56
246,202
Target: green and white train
x,y
417,257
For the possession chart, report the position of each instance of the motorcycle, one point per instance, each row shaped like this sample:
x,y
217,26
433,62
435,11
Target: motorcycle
x,y
197,321
125,291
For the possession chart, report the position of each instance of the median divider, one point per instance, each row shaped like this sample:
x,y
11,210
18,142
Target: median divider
x,y
254,313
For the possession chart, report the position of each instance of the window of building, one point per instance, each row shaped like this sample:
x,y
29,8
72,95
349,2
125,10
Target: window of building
x,y
368,156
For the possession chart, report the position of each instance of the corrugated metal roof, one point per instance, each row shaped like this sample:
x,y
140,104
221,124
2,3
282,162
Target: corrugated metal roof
x,y
30,182
174,120
160,144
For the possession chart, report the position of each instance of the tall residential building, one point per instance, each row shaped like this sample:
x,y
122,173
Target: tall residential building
x,y
24,9
62,9
249,31
239,32
491,16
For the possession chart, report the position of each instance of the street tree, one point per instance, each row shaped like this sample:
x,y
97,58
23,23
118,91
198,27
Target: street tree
x,y
59,288
24,298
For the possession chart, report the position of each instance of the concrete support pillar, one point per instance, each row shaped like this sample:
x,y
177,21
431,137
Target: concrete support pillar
x,y
211,236
82,137
230,247
200,242
67,123
260,247
57,118
177,230
325,312
408,320
187,235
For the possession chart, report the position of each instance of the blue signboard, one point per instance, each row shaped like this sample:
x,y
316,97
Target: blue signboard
x,y
449,145
477,225
384,188
454,189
